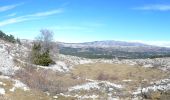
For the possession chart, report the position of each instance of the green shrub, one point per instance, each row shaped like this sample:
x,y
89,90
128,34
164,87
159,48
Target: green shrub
x,y
40,58
9,38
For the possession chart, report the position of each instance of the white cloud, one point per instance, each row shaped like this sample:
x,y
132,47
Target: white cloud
x,y
156,7
9,7
13,20
30,17
47,13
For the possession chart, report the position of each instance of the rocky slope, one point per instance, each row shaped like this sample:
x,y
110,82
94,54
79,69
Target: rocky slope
x,y
20,77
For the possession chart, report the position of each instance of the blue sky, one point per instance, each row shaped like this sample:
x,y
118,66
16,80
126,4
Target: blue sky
x,y
88,20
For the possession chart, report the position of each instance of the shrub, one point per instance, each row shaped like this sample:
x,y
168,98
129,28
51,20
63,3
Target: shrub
x,y
18,41
39,58
43,80
114,78
103,76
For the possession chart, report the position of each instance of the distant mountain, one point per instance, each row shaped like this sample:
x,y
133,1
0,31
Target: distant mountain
x,y
112,49
108,43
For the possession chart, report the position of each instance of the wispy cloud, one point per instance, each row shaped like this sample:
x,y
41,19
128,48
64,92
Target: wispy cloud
x,y
30,17
13,20
9,7
155,7
47,13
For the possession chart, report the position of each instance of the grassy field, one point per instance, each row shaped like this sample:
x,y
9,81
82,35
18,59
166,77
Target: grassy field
x,y
119,73
116,73
20,94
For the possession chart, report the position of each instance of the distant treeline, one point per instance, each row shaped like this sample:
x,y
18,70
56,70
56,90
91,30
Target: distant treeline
x,y
95,53
9,38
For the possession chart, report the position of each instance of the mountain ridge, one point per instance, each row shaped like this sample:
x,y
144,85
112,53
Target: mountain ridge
x,y
106,43
112,49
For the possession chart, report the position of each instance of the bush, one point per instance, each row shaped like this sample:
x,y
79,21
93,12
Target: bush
x,y
43,80
39,58
18,41
103,76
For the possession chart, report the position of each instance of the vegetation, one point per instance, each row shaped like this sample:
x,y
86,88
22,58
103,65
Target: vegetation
x,y
117,72
95,53
39,58
40,54
46,80
20,94
9,38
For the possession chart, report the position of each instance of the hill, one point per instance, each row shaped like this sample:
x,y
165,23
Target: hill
x,y
113,49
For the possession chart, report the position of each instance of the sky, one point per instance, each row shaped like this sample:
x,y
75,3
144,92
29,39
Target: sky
x,y
88,20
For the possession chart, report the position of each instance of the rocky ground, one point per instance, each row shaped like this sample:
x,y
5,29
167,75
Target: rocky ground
x,y
75,78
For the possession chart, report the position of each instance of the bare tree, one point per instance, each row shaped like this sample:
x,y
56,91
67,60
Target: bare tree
x,y
54,52
45,39
8,48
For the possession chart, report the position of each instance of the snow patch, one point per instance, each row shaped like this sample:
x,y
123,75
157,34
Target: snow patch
x,y
127,80
2,91
4,77
7,66
87,86
162,85
80,97
88,97
148,66
59,66
87,61
55,97
1,83
93,84
19,84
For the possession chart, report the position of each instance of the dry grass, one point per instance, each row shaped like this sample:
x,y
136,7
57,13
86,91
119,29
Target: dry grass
x,y
41,80
66,98
3,98
103,76
117,72
19,94
47,80
30,95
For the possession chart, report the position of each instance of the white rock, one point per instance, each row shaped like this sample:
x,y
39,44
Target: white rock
x,y
87,86
19,84
2,91
1,83
163,85
55,97
94,84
